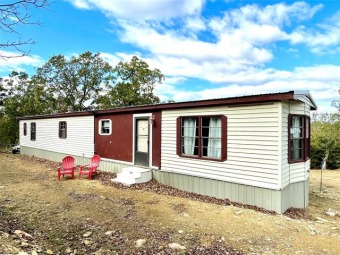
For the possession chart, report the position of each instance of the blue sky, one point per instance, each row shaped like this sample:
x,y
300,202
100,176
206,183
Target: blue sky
x,y
205,48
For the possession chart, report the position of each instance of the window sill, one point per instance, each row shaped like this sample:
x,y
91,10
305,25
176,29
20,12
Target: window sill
x,y
202,158
297,161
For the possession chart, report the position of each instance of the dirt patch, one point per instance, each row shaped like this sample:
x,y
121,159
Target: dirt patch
x,y
99,217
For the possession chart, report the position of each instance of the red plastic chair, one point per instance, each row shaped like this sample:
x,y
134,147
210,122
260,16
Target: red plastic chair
x,y
67,167
90,169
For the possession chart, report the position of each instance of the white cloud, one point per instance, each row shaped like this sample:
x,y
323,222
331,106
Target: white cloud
x,y
241,40
168,36
276,15
323,89
195,24
144,10
319,39
230,49
113,60
81,4
15,62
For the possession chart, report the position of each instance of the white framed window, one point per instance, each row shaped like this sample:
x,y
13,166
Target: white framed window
x,y
105,127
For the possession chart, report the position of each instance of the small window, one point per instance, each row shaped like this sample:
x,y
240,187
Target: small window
x,y
203,137
299,138
25,129
62,129
105,127
33,131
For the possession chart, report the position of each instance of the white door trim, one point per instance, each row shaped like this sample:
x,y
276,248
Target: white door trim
x,y
137,116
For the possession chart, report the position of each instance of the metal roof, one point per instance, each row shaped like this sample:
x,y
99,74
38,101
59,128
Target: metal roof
x,y
303,96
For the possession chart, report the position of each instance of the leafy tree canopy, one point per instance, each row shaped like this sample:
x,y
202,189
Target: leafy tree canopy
x,y
83,82
325,142
21,97
75,81
135,84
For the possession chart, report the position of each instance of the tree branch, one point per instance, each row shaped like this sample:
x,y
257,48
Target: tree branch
x,y
14,14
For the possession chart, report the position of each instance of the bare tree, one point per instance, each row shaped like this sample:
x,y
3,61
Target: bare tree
x,y
12,15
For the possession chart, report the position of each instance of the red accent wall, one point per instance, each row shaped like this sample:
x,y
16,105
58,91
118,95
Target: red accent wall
x,y
118,145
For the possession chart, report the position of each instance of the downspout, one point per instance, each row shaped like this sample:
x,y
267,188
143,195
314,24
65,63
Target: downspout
x,y
94,132
280,110
288,133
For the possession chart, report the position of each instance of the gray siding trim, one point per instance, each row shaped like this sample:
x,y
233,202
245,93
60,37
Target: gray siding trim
x,y
294,195
106,166
51,155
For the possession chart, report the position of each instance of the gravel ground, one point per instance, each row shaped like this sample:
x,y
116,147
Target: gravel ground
x,y
39,215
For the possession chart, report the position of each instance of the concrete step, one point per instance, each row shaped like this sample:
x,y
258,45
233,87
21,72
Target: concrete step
x,y
133,175
124,180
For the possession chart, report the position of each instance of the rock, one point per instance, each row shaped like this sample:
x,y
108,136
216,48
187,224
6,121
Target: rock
x,y
21,234
312,231
87,234
108,233
330,213
140,242
238,212
176,246
24,244
4,235
288,245
87,242
180,231
68,250
22,253
49,252
15,237
34,252
321,219
18,232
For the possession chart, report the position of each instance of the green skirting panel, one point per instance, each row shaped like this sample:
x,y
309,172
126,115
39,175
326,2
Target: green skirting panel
x,y
294,195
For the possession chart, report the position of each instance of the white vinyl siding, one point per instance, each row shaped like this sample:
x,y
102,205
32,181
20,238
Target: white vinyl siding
x,y
252,148
284,149
79,141
295,172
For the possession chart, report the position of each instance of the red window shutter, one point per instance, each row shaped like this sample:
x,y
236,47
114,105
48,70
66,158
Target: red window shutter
x,y
65,129
289,125
178,138
25,129
224,138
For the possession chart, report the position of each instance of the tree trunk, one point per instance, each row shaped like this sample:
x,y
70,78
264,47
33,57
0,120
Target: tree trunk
x,y
324,165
